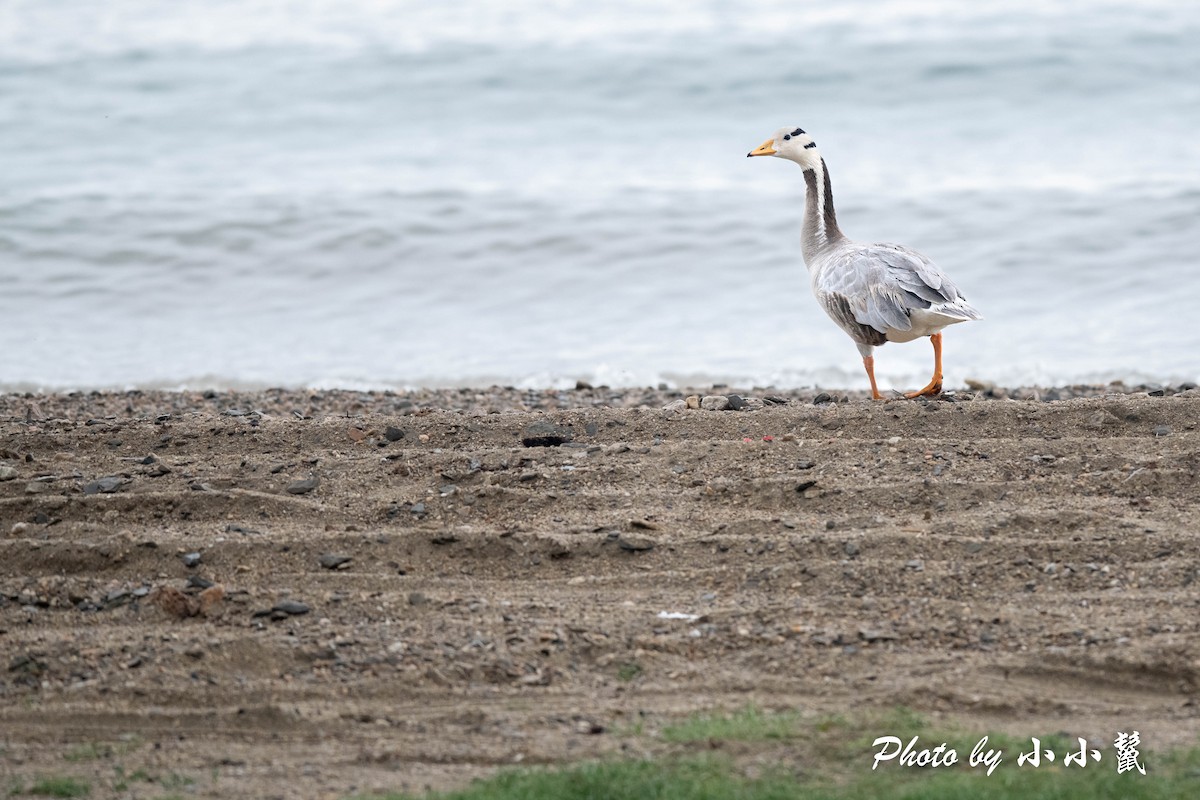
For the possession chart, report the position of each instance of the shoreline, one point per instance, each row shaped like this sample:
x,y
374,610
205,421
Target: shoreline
x,y
505,399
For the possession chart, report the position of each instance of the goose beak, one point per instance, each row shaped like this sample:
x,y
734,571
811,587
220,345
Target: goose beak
x,y
764,149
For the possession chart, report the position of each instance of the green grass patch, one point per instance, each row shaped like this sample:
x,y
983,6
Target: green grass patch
x,y
829,758
89,751
59,787
629,671
716,778
750,724
97,751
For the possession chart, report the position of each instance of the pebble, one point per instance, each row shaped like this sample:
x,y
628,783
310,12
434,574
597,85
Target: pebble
x,y
393,434
545,434
692,401
736,402
850,549
714,402
822,399
191,560
7,473
675,405
1162,430
876,635
305,486
334,561
105,485
635,544
292,607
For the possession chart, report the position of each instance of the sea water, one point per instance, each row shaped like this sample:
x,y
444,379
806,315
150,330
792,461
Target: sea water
x,y
382,193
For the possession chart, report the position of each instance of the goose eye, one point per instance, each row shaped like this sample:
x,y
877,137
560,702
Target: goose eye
x,y
787,136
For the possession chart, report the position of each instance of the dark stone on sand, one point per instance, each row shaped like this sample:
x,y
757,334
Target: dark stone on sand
x,y
1162,430
634,544
804,485
545,434
292,607
333,560
736,402
196,582
822,399
393,434
305,486
107,485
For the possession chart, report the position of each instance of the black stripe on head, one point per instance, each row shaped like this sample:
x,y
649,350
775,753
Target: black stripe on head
x,y
798,131
810,144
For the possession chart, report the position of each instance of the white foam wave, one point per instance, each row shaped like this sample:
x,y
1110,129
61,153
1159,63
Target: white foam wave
x,y
40,31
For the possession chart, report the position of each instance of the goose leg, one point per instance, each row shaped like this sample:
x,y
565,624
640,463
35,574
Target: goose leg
x,y
934,387
869,366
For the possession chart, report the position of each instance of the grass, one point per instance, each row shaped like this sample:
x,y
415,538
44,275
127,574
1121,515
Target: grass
x,y
122,781
716,778
59,787
629,671
829,758
747,725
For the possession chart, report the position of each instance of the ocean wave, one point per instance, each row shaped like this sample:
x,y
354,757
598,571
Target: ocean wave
x,y
71,29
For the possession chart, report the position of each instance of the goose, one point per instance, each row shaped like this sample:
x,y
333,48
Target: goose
x,y
877,293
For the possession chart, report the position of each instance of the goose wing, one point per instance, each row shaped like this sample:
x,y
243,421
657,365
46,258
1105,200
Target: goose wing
x,y
882,284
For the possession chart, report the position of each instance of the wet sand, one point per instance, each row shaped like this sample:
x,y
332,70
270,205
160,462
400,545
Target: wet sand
x,y
416,589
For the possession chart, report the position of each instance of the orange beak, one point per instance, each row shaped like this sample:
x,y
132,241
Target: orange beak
x,y
764,149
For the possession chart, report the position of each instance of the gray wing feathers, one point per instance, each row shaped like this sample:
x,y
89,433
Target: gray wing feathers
x,y
882,284
885,310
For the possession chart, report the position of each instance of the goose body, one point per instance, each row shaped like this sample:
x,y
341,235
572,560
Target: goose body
x,y
876,293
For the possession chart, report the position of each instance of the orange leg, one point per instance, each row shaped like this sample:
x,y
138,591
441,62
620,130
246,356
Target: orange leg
x,y
869,366
934,388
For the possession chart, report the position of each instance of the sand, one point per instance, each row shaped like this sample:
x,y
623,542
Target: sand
x,y
1024,565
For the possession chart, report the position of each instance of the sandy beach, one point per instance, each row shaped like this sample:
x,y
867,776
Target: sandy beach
x,y
316,594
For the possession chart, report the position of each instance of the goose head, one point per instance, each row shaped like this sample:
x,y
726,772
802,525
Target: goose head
x,y
790,143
